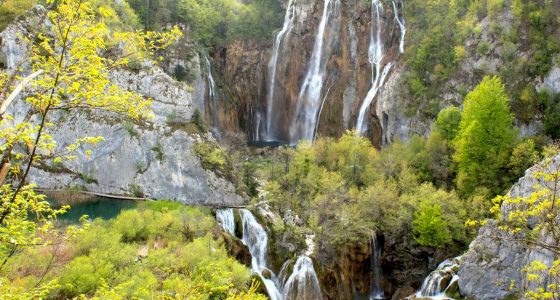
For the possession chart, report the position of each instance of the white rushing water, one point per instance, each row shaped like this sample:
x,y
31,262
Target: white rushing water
x,y
226,219
402,24
376,291
438,283
302,283
309,99
256,239
282,35
375,57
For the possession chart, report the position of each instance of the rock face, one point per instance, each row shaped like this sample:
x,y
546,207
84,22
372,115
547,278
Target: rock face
x,y
494,259
245,67
152,159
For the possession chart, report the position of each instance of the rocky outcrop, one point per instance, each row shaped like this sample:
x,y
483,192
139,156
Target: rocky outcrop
x,y
495,259
154,159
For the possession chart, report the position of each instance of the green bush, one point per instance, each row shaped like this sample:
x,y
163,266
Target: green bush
x,y
429,227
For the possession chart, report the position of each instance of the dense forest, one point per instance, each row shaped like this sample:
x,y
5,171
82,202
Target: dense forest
x,y
163,103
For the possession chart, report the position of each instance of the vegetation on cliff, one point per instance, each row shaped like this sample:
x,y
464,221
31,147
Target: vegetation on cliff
x,y
452,37
213,22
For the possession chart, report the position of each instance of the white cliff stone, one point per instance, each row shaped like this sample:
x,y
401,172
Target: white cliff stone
x,y
128,163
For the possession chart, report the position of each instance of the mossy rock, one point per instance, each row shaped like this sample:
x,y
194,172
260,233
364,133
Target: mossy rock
x,y
266,273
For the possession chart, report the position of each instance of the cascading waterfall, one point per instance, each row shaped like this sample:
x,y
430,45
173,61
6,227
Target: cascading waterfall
x,y
309,99
226,219
401,22
280,37
440,281
302,283
376,291
375,57
256,239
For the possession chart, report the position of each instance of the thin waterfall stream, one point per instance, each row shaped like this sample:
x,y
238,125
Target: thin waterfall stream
x,y
376,290
282,35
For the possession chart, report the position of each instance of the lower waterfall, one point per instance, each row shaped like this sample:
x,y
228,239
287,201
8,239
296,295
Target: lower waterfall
x,y
376,290
440,282
301,284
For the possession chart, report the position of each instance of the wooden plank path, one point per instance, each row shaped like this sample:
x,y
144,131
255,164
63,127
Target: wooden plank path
x,y
122,197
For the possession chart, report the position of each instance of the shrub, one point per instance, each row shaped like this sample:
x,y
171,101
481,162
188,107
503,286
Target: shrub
x,y
429,227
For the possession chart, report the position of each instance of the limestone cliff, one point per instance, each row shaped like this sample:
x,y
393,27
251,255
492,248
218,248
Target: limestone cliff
x,y
495,259
153,159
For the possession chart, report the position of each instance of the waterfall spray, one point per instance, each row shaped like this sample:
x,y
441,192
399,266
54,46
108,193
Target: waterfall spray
x,y
303,283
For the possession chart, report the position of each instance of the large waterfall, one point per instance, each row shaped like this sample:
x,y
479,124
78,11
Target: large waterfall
x,y
309,99
278,40
301,284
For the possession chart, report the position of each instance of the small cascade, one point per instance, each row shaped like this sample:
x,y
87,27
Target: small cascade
x,y
376,291
280,37
256,239
402,24
309,99
212,97
303,283
440,282
226,219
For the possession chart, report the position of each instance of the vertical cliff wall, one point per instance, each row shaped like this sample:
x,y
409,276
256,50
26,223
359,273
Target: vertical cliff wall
x,y
313,77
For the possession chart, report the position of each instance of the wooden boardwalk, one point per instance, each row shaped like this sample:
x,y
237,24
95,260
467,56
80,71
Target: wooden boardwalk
x,y
122,197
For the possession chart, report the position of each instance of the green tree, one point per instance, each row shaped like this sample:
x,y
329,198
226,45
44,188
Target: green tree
x,y
70,73
447,122
429,227
485,138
